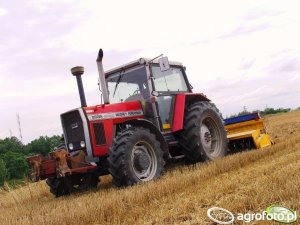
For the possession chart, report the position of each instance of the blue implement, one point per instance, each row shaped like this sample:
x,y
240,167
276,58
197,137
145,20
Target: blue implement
x,y
243,118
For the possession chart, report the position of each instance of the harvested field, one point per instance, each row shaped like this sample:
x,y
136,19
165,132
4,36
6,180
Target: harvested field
x,y
242,183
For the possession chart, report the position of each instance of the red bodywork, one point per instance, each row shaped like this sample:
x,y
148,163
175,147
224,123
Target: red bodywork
x,y
110,115
180,101
118,113
106,114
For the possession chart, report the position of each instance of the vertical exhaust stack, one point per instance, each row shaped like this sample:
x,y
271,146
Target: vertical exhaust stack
x,y
102,77
77,72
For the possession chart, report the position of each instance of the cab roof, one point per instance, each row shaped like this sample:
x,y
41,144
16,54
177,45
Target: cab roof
x,y
140,61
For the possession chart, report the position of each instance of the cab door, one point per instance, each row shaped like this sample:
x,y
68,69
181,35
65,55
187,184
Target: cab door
x,y
168,83
165,105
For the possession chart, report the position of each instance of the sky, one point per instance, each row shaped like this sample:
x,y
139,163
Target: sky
x,y
239,53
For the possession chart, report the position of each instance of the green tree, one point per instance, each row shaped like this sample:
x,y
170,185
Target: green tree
x,y
11,144
244,112
268,111
13,154
43,145
16,165
3,172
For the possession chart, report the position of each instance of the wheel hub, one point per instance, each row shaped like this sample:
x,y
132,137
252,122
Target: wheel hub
x,y
205,135
141,160
210,137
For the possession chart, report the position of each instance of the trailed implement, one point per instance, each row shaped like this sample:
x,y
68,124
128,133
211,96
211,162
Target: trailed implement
x,y
247,132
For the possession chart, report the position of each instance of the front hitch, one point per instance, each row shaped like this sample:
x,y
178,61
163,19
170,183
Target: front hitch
x,y
59,163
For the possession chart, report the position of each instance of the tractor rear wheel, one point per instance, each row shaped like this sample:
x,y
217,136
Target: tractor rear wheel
x,y
135,156
203,136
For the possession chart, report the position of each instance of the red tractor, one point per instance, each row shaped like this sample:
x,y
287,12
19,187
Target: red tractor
x,y
149,117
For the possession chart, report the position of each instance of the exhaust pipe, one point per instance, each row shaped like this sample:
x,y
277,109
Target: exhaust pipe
x,y
77,72
102,77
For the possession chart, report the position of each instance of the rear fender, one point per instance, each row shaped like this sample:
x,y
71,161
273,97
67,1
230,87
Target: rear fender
x,y
149,125
181,101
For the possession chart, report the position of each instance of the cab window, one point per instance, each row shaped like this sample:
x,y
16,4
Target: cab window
x,y
169,80
128,85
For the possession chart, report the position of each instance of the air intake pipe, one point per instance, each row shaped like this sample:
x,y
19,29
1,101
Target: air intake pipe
x,y
77,72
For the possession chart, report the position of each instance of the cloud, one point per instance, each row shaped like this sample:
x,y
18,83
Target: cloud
x,y
285,65
246,30
259,13
276,88
247,54
247,64
3,12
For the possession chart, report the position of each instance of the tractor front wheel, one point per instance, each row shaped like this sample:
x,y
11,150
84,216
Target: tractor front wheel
x,y
135,156
71,183
203,136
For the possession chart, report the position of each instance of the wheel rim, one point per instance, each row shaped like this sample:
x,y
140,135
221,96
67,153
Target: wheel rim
x,y
143,161
210,137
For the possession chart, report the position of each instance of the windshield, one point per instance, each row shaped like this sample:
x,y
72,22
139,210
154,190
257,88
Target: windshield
x,y
169,80
128,85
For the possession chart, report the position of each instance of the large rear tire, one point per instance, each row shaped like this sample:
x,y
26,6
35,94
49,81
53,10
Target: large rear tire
x,y
135,156
203,136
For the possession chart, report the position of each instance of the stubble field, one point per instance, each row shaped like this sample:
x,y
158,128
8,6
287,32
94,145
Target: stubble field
x,y
246,182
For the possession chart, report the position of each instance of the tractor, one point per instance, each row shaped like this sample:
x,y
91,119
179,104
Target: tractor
x,y
149,117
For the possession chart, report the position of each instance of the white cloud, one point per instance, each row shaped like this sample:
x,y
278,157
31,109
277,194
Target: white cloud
x,y
130,24
237,52
3,11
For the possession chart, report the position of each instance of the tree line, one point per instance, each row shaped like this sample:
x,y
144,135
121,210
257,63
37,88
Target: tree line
x,y
13,155
266,111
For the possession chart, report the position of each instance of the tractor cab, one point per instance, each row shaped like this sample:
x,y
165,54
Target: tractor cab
x,y
155,83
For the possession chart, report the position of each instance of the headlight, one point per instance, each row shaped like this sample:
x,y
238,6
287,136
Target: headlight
x,y
82,144
71,146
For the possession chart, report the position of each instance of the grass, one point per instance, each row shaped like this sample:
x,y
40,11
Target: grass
x,y
242,183
15,183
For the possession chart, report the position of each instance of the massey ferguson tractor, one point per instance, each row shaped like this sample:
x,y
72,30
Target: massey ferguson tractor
x,y
149,117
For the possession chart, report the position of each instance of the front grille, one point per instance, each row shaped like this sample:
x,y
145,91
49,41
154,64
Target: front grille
x,y
73,128
99,134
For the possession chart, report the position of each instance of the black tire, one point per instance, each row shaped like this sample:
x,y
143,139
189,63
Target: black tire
x,y
135,156
81,181
58,186
72,183
203,136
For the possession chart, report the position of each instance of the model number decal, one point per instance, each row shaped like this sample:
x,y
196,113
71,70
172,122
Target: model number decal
x,y
103,116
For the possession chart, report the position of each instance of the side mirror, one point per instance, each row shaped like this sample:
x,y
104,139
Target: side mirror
x,y
164,64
